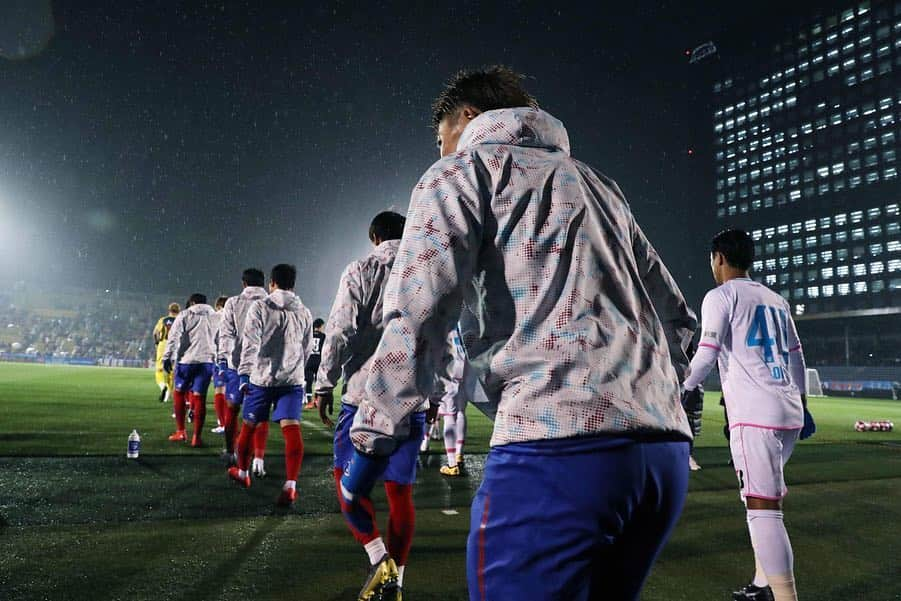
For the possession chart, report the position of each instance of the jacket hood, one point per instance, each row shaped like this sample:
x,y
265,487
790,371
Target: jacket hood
x,y
283,299
522,126
388,248
201,309
253,292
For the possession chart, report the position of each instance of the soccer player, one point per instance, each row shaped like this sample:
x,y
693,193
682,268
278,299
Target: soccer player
x,y
219,382
276,342
229,357
160,337
749,330
453,407
579,339
315,357
192,350
352,332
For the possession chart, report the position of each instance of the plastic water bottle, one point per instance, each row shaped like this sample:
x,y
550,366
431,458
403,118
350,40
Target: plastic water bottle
x,y
134,445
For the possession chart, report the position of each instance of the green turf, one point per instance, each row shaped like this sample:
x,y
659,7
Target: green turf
x,y
79,521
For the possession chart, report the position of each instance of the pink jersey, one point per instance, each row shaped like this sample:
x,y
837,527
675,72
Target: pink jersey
x,y
749,329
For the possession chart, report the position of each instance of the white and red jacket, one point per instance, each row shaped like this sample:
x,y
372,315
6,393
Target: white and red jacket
x,y
277,336
192,337
232,326
577,327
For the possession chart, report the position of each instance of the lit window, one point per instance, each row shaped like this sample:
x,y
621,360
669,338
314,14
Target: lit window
x,y
770,264
890,173
826,273
841,254
842,271
857,233
769,232
844,289
894,265
813,292
872,176
841,236
826,256
757,234
796,227
860,287
812,260
828,290
893,228
854,181
782,230
797,260
893,246
826,239
860,269
799,309
877,267
841,219
876,249
758,266
877,286
874,230
811,241
856,217
770,280
892,209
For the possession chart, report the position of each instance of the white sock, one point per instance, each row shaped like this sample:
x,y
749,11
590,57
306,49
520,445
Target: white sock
x,y
759,575
166,396
257,464
242,473
450,440
289,485
773,550
461,431
424,445
376,550
400,575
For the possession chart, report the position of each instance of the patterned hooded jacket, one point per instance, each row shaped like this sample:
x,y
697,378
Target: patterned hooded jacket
x,y
277,336
192,337
354,325
232,326
572,321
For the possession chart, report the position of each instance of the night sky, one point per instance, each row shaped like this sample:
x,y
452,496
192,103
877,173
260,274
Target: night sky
x,y
165,146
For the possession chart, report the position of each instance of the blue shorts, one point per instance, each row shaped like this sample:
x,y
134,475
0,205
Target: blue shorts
x,y
260,400
401,465
573,519
232,381
219,380
193,376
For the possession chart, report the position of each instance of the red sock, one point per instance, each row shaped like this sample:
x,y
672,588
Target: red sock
x,y
260,436
401,521
365,513
243,449
178,403
198,404
293,450
219,404
231,426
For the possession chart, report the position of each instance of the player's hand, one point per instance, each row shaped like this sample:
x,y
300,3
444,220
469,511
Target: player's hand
x,y
325,400
810,426
167,366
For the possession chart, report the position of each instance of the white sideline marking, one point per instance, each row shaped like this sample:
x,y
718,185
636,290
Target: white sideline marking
x,y
450,512
318,427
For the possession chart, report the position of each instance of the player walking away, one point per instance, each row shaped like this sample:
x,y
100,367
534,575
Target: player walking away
x,y
574,313
352,333
219,403
453,407
229,357
748,328
276,343
160,338
192,350
315,357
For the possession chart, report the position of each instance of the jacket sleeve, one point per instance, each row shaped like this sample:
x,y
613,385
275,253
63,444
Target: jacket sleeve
x,y
341,329
228,333
174,340
158,331
251,337
678,320
422,300
715,325
797,367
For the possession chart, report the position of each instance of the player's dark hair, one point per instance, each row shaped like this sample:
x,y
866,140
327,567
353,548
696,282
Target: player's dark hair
x,y
220,302
253,277
196,299
318,323
284,276
387,225
489,88
736,246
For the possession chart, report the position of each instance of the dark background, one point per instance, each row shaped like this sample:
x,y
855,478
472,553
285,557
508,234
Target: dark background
x,y
165,146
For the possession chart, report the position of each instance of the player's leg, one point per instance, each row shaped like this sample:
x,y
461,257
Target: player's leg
x,y
179,399
759,455
450,444
461,434
202,376
288,405
647,520
399,478
256,410
160,376
233,407
219,400
260,438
